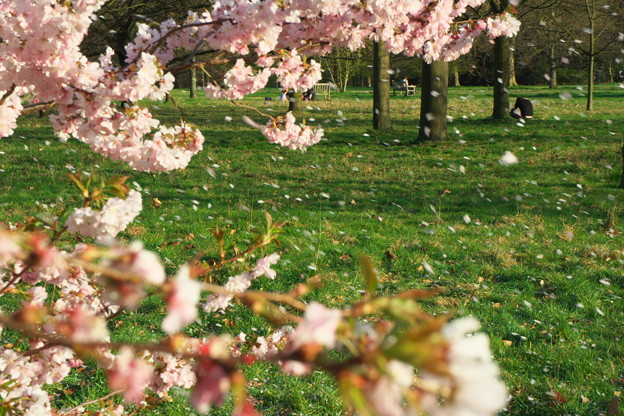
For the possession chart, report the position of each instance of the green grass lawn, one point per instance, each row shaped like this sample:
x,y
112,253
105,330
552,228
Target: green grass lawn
x,y
540,262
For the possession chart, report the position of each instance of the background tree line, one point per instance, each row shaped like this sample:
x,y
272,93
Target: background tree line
x,y
560,41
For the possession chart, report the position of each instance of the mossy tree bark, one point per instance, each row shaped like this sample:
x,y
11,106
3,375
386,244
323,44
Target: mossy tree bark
x,y
502,60
501,78
434,101
381,87
295,103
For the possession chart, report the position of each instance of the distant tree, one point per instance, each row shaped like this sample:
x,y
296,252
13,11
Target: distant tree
x,y
594,28
343,64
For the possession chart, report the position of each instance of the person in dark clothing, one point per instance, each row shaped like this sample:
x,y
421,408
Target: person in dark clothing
x,y
523,108
309,95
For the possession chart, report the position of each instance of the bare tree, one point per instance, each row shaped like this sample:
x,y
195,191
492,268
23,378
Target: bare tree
x,y
594,31
342,64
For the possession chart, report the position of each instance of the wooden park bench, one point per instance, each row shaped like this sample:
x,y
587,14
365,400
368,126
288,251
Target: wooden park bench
x,y
402,86
324,89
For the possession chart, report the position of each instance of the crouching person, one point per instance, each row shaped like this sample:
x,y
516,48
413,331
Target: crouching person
x,y
523,108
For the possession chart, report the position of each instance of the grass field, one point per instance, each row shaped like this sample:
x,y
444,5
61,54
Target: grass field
x,y
540,261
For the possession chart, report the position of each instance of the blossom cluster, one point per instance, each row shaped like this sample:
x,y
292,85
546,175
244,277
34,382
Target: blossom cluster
x,y
106,223
502,25
286,132
40,43
95,283
242,282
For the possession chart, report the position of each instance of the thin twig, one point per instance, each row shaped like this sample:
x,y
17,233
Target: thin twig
x,y
182,115
255,294
13,280
91,402
252,108
38,107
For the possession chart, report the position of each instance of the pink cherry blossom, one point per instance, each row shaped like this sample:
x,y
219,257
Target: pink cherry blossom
x,y
181,302
130,375
241,282
239,82
105,224
319,326
474,377
170,372
285,132
213,383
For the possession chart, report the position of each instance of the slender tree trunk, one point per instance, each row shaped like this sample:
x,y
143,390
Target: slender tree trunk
x,y
501,78
456,81
622,180
381,87
553,69
193,88
512,64
592,59
434,100
345,82
611,77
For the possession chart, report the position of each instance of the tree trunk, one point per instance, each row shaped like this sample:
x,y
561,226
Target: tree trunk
x,y
193,88
512,64
611,77
381,87
501,78
592,63
553,69
456,81
622,180
345,81
295,103
434,102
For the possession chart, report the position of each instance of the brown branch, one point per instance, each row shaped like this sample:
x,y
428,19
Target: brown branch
x,y
13,280
252,108
253,295
232,259
8,94
31,108
107,271
160,41
218,59
91,402
182,115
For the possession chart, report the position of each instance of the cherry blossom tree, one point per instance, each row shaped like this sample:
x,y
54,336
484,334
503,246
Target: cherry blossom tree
x,y
276,37
406,362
